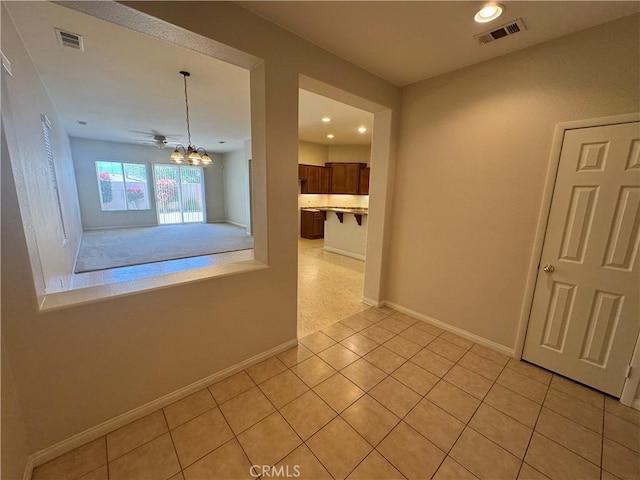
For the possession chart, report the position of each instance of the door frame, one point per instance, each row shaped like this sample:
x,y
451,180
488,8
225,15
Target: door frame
x,y
383,155
543,218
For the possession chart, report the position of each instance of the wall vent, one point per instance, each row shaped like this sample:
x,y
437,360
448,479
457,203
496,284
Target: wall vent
x,y
501,32
71,40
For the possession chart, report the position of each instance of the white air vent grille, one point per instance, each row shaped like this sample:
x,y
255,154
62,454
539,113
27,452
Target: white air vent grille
x,y
501,32
71,40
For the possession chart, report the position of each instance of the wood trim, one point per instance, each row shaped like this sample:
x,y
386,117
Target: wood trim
x,y
545,210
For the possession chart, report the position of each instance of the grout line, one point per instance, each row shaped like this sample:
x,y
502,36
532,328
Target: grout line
x,y
571,419
173,443
535,425
137,446
106,445
235,437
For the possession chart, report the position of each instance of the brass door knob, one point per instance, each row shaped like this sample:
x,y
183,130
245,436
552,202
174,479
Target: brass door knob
x,y
548,268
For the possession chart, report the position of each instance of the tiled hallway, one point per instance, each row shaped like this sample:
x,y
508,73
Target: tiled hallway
x,y
330,286
379,395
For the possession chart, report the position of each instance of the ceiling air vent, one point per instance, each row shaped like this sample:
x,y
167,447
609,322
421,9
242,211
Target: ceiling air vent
x,y
71,40
500,32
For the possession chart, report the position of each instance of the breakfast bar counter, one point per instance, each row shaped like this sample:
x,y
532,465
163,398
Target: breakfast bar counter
x,y
345,230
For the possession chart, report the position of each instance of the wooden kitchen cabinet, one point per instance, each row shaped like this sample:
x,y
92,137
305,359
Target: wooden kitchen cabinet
x,y
363,183
312,183
314,179
311,224
325,180
345,177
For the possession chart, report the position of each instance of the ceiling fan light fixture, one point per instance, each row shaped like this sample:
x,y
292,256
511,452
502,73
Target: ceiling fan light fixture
x,y
489,12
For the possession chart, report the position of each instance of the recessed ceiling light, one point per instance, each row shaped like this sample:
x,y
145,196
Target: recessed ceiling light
x,y
489,12
81,122
331,135
362,129
326,119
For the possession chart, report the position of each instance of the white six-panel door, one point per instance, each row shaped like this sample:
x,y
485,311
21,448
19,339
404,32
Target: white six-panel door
x,y
585,315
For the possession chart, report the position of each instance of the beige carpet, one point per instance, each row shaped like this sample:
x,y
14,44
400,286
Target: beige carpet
x,y
102,249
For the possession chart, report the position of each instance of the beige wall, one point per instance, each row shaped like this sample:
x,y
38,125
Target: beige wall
x,y
214,189
350,153
473,153
236,195
14,446
101,359
38,204
310,153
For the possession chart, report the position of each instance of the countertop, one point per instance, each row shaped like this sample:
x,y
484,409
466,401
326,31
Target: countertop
x,y
354,210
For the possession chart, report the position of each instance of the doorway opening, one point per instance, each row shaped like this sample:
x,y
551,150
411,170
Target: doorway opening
x,y
335,170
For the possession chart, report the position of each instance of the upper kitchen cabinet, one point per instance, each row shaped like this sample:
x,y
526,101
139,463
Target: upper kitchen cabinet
x,y
324,181
363,183
345,177
315,179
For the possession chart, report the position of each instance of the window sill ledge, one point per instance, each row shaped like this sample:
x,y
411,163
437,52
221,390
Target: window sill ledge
x,y
71,298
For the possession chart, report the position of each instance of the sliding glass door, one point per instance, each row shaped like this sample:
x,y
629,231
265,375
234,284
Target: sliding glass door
x,y
179,194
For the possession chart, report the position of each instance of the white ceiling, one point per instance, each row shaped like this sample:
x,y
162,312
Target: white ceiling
x,y
127,88
408,41
125,84
344,123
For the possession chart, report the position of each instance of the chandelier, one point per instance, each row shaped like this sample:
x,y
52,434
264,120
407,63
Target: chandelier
x,y
190,154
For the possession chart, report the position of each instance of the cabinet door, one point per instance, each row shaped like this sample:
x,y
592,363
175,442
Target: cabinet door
x,y
352,178
306,224
312,184
325,175
318,225
302,172
338,178
363,188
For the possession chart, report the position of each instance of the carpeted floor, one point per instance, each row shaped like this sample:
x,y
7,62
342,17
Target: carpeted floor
x,y
102,249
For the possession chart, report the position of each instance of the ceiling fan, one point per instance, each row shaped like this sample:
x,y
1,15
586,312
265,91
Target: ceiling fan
x,y
157,139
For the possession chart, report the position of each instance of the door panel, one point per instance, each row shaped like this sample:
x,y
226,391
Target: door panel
x,y
585,314
179,192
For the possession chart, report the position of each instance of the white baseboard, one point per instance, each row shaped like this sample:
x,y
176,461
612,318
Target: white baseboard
x,y
344,252
109,426
450,328
28,468
119,227
235,223
372,303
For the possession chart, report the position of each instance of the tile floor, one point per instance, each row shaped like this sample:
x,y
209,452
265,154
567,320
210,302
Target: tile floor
x,y
330,286
378,395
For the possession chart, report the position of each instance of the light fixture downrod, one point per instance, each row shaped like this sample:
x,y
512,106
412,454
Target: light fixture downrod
x,y
192,153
